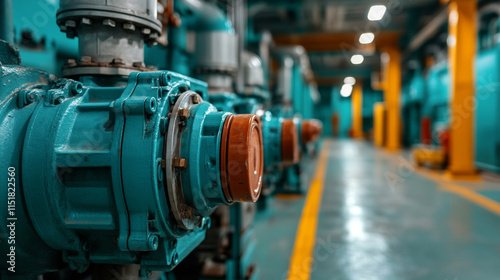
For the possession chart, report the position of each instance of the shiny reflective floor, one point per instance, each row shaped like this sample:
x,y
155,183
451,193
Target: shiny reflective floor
x,y
380,218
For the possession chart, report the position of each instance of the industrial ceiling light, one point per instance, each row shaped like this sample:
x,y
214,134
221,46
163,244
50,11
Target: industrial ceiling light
x,y
349,81
376,12
366,38
346,90
357,59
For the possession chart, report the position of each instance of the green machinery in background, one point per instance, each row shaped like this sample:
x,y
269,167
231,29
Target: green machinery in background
x,y
333,104
294,97
211,47
426,94
412,100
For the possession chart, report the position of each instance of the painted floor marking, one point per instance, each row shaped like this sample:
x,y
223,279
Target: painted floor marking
x,y
302,255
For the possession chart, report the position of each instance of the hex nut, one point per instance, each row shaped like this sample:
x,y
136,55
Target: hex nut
x,y
138,64
117,60
109,22
86,21
86,59
70,23
71,62
129,26
184,114
179,162
195,99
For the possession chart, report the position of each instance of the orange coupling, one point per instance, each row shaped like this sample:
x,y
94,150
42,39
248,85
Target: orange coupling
x,y
242,159
289,142
311,130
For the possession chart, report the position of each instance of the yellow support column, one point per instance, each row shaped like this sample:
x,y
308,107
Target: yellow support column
x,y
392,93
461,54
379,124
357,111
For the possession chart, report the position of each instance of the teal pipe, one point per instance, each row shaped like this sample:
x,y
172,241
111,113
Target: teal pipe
x,y
6,26
197,16
203,16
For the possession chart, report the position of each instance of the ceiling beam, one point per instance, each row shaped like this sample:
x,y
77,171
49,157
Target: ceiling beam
x,y
321,42
328,81
342,73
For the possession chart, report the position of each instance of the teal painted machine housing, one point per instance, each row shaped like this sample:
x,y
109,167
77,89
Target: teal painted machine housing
x,y
21,91
302,101
207,193
412,100
425,93
487,119
271,137
91,182
286,178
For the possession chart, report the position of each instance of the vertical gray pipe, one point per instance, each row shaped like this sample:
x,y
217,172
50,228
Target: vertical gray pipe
x,y
240,27
285,77
6,25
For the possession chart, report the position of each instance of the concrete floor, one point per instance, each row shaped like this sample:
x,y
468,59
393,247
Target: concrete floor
x,y
380,218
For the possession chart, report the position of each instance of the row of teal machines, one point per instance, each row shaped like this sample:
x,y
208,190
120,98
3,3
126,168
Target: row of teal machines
x,y
124,170
426,94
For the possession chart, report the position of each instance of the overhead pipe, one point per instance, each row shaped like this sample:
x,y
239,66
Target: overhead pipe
x,y
240,22
298,53
429,31
490,8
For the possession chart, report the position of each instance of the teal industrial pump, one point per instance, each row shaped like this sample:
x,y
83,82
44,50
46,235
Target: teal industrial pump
x,y
126,173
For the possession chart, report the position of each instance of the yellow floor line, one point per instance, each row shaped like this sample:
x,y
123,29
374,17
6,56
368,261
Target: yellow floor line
x,y
431,174
302,256
463,191
474,197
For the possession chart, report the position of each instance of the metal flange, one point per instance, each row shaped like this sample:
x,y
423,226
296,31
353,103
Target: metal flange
x,y
184,214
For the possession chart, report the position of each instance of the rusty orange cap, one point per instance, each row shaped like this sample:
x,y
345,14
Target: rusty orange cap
x,y
289,142
311,130
242,159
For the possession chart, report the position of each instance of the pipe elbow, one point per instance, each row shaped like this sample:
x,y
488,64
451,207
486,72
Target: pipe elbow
x,y
203,16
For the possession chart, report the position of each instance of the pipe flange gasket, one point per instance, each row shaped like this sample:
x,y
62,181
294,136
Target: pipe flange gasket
x,y
72,68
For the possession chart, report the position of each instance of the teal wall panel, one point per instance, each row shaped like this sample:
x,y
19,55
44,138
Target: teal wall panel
x,y
342,106
487,119
437,95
